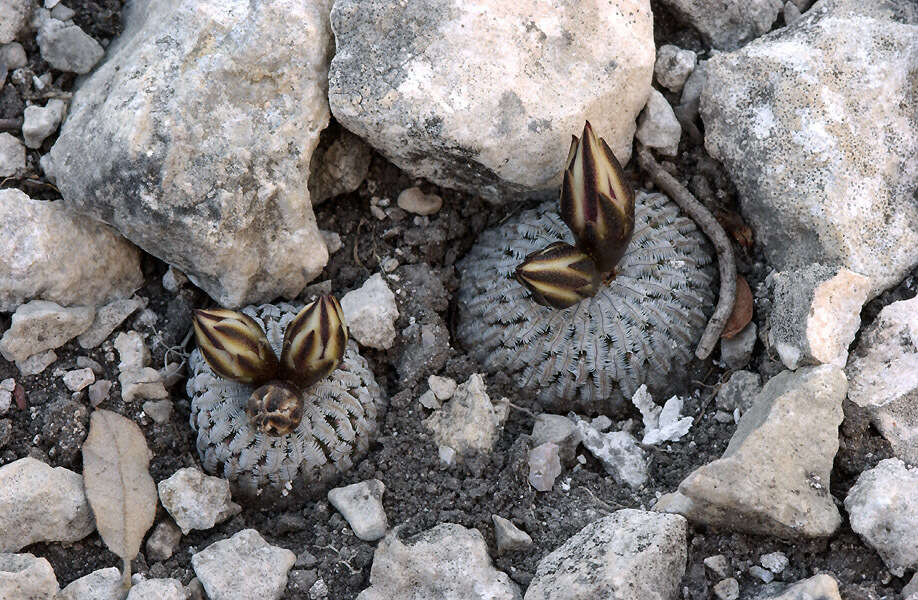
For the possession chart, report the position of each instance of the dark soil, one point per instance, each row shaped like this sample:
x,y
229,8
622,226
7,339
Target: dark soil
x,y
420,492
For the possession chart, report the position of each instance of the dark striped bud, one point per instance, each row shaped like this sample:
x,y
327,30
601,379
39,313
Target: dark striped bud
x,y
559,275
275,408
314,342
597,204
234,346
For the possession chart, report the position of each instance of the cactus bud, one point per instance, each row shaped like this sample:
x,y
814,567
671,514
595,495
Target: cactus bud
x,y
314,342
559,275
234,346
597,204
275,408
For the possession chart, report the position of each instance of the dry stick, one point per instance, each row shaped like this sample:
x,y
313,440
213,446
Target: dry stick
x,y
711,228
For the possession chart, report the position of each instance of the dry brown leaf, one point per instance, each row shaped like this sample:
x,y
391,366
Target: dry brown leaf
x,y
742,309
118,485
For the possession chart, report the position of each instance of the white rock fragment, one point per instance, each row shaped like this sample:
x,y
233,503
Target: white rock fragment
x,y
158,410
13,54
661,424
726,589
718,564
361,506
629,554
370,313
559,430
429,400
883,508
442,387
138,381
68,48
736,352
174,279
673,66
98,392
763,575
78,379
658,127
242,567
332,241
821,587
416,202
103,584
618,452
40,325
23,576
544,466
107,319
62,13
39,503
38,122
775,562
469,422
196,500
14,16
163,541
7,387
158,589
446,454
12,155
339,168
509,537
36,363
448,562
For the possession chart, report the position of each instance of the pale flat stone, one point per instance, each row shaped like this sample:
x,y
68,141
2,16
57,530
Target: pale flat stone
x,y
370,313
243,567
361,506
195,500
104,584
23,576
40,325
469,421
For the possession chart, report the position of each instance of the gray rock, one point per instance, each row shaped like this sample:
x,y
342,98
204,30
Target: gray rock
x,y
196,500
361,506
618,452
816,314
242,567
7,387
36,363
417,202
78,379
138,381
629,555
103,584
84,362
718,564
41,504
910,591
158,589
763,575
420,84
469,422
98,392
739,392
95,266
163,541
791,13
690,101
158,410
821,587
658,127
62,13
68,48
736,352
339,168
13,55
38,122
27,577
789,111
208,169
12,155
544,466
775,562
448,562
883,376
883,508
442,387
107,319
14,15
559,430
370,313
40,325
509,537
728,24
726,589
773,479
673,66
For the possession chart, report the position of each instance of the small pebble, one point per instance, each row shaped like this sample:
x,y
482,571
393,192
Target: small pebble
x,y
429,400
775,562
389,264
718,565
544,466
442,387
318,590
332,241
13,54
379,214
158,410
764,574
62,13
84,362
163,541
7,386
510,538
98,392
78,379
447,455
417,202
727,589
361,506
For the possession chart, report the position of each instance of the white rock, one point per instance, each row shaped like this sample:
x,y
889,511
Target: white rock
x,y
775,562
332,241
12,155
821,587
883,508
36,363
68,48
559,430
14,15
132,350
339,168
509,537
728,24
104,584
883,376
446,454
631,554
23,576
673,66
208,171
361,506
173,279
138,381
763,575
158,410
618,452
158,589
726,589
107,319
78,379
417,202
196,500
163,541
370,313
658,127
442,387
736,352
429,400
40,325
661,423
718,565
785,115
773,478
469,421
544,466
13,54
62,13
242,567
95,266
448,562
39,122
485,96
41,504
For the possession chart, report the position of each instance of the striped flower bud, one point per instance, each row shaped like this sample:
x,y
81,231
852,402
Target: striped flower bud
x,y
597,204
275,408
234,346
559,275
314,342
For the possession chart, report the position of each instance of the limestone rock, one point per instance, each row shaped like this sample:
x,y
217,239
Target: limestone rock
x,y
361,506
370,313
417,202
25,576
163,541
67,47
508,536
448,562
38,122
14,16
103,584
673,66
469,421
629,555
737,395
559,430
12,154
773,479
420,83
736,352
94,266
196,500
821,587
658,127
338,168
36,363
194,138
243,566
544,466
107,319
78,379
40,325
810,125
618,452
728,24
158,589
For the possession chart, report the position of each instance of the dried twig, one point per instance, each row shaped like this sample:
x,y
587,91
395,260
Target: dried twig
x,y
709,225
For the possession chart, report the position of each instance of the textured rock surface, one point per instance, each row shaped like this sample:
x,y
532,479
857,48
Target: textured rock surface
x,y
657,126
95,266
104,584
883,507
194,138
469,422
338,168
12,155
39,503
559,430
66,47
508,536
618,452
544,466
370,313
817,108
484,97
629,555
448,562
242,567
196,500
158,589
673,66
162,542
361,506
883,376
23,576
817,587
15,15
40,325
728,24
41,121
773,478
107,319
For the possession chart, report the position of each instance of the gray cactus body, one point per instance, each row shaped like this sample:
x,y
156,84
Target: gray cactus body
x,y
639,328
339,421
